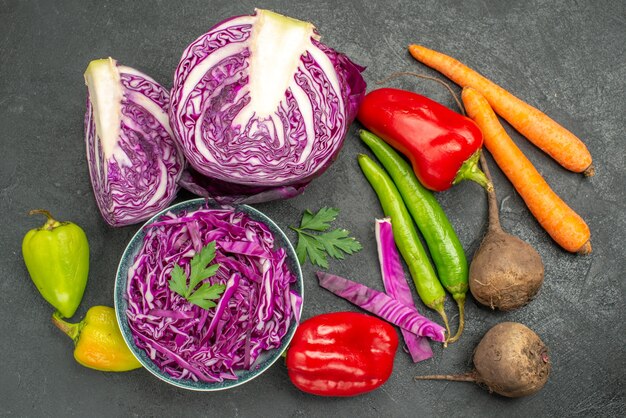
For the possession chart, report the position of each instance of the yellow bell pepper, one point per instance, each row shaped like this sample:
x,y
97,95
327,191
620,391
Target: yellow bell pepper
x,y
98,341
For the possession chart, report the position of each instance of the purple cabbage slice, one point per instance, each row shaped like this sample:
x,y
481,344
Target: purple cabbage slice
x,y
397,287
231,287
382,306
252,316
258,102
134,163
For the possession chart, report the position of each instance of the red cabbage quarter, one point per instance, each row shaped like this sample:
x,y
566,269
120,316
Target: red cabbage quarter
x,y
252,315
259,102
133,161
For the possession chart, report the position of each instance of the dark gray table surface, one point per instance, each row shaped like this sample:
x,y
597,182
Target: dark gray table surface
x,y
566,57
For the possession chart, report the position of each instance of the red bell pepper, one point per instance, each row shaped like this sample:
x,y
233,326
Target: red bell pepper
x,y
341,354
442,145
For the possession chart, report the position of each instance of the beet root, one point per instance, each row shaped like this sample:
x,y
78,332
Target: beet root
x,y
506,273
510,360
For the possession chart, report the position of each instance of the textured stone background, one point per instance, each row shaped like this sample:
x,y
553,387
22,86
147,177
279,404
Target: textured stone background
x,y
566,57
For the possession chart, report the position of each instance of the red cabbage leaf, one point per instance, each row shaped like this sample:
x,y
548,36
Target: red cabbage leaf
x,y
382,305
397,287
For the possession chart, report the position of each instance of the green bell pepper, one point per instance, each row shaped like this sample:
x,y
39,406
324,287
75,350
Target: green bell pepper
x,y
57,259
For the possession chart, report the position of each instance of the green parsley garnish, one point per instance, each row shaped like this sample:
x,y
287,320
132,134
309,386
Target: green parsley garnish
x,y
204,295
317,246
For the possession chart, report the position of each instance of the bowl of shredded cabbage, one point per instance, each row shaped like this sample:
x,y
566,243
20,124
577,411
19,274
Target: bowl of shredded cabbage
x,y
208,297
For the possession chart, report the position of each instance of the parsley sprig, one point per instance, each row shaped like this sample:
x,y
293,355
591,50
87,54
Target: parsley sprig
x,y
204,295
316,243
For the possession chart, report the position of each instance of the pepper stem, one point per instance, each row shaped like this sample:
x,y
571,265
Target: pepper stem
x,y
51,223
470,171
71,330
442,312
460,301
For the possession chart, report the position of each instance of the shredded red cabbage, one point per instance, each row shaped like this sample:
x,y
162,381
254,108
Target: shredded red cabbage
x,y
252,315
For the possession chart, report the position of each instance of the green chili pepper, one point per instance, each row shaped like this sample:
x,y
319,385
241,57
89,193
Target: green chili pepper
x,y
444,245
428,286
57,259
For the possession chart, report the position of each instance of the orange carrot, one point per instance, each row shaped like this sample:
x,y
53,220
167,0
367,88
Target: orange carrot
x,y
559,220
540,129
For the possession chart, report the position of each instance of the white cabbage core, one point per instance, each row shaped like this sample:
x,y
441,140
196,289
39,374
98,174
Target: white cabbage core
x,y
276,44
105,94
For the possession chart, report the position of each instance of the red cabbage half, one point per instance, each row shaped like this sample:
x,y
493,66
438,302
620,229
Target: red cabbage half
x,y
252,315
260,103
133,161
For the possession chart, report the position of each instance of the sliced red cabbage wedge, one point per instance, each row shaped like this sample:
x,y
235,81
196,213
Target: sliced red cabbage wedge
x,y
133,161
260,102
382,305
397,287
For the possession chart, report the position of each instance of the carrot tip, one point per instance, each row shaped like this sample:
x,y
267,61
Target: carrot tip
x,y
585,249
590,171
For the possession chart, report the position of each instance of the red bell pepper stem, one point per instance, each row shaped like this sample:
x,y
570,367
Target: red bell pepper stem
x,y
470,171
